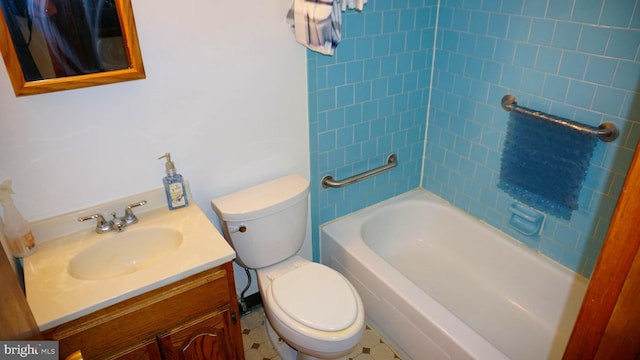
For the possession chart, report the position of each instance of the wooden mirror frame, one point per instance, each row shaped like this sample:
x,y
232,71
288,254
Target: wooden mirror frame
x,y
22,87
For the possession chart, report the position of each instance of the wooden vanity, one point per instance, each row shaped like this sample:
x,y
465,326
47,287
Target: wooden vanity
x,y
194,318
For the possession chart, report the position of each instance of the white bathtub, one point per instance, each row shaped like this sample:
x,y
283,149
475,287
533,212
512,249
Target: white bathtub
x,y
439,284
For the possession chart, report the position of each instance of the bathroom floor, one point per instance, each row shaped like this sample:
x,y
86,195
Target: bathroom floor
x,y
258,347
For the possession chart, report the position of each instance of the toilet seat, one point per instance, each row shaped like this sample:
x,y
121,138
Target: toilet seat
x,y
316,296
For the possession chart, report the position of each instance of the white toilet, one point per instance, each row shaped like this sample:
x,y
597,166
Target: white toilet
x,y
313,312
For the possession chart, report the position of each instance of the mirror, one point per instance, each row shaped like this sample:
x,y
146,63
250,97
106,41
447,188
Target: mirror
x,y
53,45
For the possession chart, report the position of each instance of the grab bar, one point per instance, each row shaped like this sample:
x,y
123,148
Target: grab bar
x,y
327,181
607,131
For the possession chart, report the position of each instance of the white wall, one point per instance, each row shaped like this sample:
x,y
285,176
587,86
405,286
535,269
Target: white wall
x,y
225,93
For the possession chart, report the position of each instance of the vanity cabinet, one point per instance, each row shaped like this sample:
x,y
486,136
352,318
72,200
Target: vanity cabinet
x,y
193,318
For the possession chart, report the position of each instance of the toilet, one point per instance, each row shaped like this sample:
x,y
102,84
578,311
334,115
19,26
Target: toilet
x,y
313,312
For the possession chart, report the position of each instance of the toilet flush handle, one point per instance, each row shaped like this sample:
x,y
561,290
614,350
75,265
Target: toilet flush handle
x,y
235,228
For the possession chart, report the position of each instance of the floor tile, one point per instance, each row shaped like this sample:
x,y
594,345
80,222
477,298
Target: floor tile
x,y
258,347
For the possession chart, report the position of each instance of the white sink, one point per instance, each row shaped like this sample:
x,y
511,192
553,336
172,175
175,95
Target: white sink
x,y
124,253
76,271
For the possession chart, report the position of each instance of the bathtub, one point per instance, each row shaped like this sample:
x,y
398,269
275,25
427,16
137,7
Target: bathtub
x,y
437,283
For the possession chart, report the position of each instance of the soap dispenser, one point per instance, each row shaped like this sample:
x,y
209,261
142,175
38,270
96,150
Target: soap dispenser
x,y
174,185
16,228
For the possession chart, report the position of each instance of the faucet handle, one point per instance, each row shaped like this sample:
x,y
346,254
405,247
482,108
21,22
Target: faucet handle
x,y
129,217
102,225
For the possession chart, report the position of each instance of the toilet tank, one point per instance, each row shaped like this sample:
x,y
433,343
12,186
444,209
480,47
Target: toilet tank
x,y
266,223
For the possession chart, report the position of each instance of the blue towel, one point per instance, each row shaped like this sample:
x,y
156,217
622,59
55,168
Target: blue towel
x,y
544,164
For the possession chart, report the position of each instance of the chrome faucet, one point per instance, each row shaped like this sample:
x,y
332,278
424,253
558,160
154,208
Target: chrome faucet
x,y
117,224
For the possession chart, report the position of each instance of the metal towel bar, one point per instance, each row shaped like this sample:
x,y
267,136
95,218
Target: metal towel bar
x,y
327,181
607,131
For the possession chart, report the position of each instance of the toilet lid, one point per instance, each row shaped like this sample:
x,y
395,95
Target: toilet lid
x,y
316,296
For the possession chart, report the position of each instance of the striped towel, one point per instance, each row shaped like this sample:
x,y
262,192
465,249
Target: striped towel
x,y
316,23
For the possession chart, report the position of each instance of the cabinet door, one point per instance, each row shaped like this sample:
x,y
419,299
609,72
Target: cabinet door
x,y
146,350
205,338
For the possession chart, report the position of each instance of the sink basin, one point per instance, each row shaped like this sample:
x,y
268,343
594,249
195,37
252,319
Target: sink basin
x,y
124,253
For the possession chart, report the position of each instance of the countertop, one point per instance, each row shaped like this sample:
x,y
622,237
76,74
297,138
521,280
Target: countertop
x,y
56,297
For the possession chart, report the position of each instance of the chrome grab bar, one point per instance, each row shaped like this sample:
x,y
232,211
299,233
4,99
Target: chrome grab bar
x,y
328,182
607,131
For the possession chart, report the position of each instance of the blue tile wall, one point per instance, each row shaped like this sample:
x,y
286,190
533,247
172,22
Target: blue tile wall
x,y
577,59
367,101
400,60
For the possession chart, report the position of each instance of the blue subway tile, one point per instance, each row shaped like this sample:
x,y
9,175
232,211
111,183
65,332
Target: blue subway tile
x,y
371,68
511,76
512,7
419,60
587,11
364,48
369,110
532,82
566,35
362,91
326,141
485,47
594,39
548,60
491,5
573,64
519,28
601,70
623,44
461,19
335,119
397,43
354,71
373,23
353,113
498,25
534,8
410,82
445,17
555,87
336,75
617,12
345,95
381,45
581,94
635,20
344,136
473,67
559,9
395,84
388,65
407,19
608,100
450,40
423,17
345,51
542,31
379,88
413,40
353,24
326,99
403,62
505,51
390,21
526,55
479,22
491,71
627,76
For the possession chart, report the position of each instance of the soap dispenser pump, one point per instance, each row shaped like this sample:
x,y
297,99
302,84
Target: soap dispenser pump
x,y
174,185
